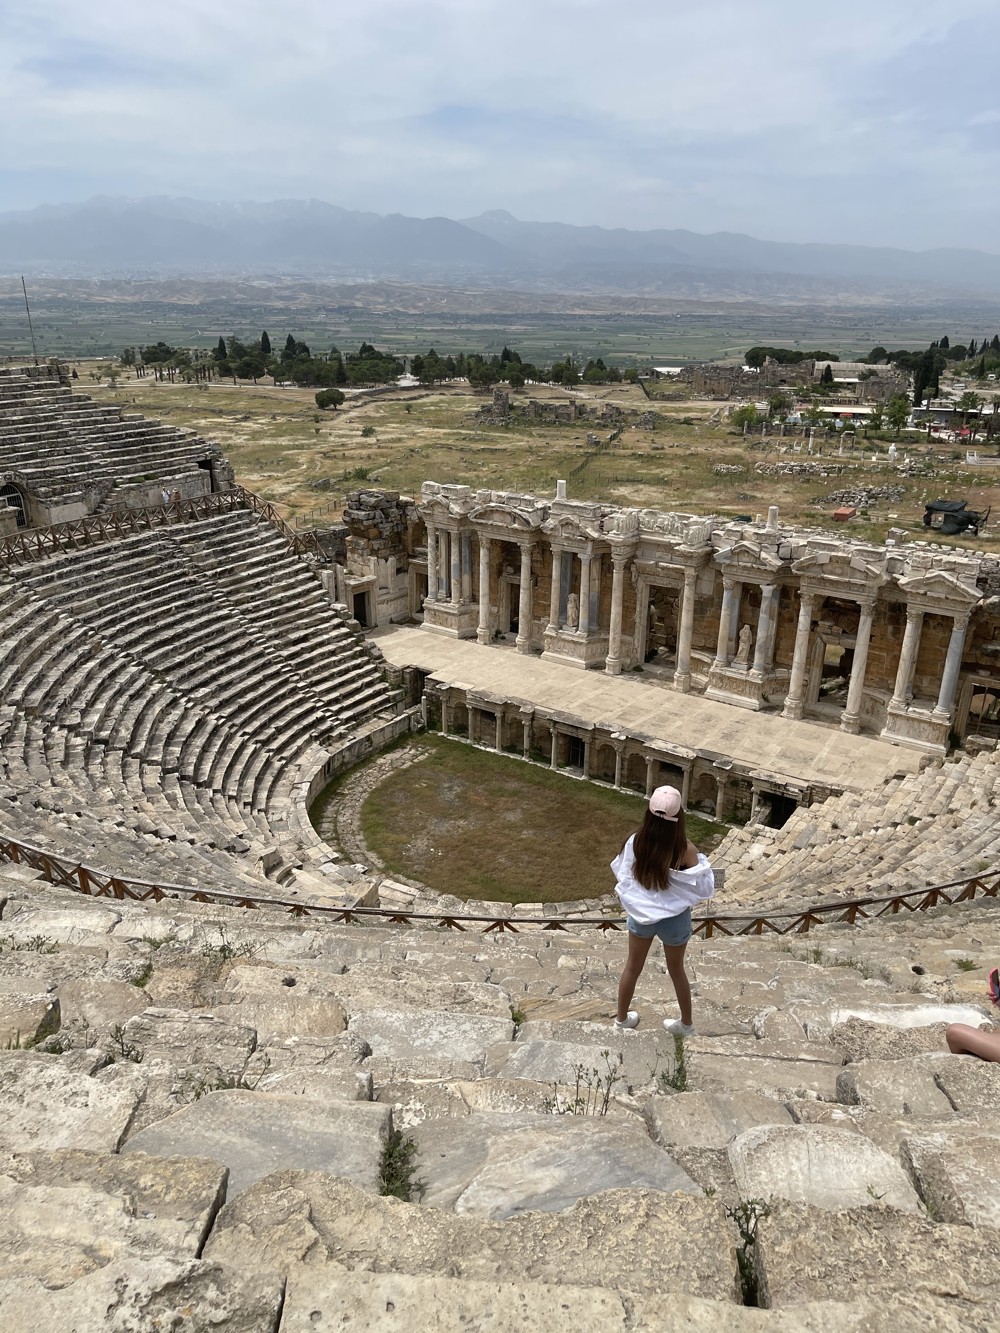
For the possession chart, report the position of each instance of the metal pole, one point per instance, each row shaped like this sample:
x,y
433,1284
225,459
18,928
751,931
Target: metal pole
x,y
34,349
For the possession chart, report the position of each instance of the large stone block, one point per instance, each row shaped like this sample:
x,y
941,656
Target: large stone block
x,y
820,1166
958,1175
99,1002
500,1165
64,1213
895,1087
806,1254
548,1061
180,1038
46,1105
710,1120
430,1032
254,1134
145,1296
663,1242
28,1012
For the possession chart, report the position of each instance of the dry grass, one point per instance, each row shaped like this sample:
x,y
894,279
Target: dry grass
x,y
305,460
481,825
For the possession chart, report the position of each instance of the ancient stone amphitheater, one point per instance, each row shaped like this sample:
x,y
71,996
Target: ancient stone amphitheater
x,y
233,1096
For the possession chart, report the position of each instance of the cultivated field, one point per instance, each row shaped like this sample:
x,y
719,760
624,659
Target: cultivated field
x,y
305,460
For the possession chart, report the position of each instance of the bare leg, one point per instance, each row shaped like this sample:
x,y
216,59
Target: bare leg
x,y
964,1040
674,954
638,948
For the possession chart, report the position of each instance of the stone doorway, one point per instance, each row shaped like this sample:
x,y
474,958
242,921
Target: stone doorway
x,y
831,658
12,496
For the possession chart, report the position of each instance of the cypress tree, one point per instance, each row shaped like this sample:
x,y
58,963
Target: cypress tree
x,y
220,349
265,344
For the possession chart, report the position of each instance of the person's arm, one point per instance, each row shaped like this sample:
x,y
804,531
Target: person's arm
x,y
690,857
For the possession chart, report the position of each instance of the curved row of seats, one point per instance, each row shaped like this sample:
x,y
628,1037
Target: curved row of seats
x,y
175,686
925,828
63,445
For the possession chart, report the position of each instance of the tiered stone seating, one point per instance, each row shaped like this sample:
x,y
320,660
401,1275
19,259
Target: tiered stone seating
x,y
927,827
146,690
165,1060
65,446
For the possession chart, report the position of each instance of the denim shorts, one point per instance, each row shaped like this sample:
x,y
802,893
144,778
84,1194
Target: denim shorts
x,y
669,930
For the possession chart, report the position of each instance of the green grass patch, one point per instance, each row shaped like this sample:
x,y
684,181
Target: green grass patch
x,y
481,825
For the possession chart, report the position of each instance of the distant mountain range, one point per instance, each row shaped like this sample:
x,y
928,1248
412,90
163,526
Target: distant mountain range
x,y
147,237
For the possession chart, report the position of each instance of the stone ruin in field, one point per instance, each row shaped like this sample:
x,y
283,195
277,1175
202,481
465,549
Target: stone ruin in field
x,y
224,1106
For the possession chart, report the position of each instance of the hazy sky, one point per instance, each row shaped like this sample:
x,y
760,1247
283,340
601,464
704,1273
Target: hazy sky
x,y
877,123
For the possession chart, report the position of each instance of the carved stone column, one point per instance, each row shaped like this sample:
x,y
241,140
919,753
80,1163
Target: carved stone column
x,y
556,590
767,624
444,716
613,664
952,666
850,719
619,756
455,568
682,675
907,657
483,632
583,625
499,738
523,641
730,604
432,568
555,747
650,780
466,541
793,700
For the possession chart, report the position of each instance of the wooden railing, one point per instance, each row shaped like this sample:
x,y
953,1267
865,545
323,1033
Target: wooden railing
x,y
99,884
23,548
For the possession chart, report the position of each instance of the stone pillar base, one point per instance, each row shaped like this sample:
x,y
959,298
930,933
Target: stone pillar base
x,y
730,685
852,725
919,728
682,682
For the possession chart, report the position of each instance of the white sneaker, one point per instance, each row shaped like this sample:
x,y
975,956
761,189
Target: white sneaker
x,y
678,1029
630,1021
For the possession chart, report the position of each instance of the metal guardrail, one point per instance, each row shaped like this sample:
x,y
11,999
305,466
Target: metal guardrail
x,y
23,548
99,884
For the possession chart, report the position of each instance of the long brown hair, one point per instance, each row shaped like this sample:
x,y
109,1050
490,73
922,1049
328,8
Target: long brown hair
x,y
659,847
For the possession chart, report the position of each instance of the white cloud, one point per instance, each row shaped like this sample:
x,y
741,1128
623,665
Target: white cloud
x,y
784,120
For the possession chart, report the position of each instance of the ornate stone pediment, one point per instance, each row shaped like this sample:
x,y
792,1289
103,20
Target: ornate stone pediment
x,y
567,529
939,588
833,572
744,557
500,516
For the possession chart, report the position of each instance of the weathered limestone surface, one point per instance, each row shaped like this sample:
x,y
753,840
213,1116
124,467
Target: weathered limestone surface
x,y
818,1165
46,1105
707,1120
65,1213
320,1298
146,1296
430,1032
254,1134
804,1254
293,1216
28,1012
499,1165
958,1175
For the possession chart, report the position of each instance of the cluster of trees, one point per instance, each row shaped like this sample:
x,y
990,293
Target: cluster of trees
x,y
785,356
238,359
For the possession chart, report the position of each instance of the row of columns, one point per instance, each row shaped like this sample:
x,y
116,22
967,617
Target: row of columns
x,y
449,578
903,690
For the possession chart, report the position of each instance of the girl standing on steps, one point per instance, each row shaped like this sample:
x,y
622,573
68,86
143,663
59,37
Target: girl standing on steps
x,y
660,875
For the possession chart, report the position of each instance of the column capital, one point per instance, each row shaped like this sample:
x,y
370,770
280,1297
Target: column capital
x,y
729,582
914,613
867,604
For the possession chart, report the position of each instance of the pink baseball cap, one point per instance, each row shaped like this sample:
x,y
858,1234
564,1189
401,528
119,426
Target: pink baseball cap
x,y
665,802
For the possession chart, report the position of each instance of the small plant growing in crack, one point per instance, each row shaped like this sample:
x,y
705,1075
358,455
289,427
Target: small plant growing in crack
x,y
676,1078
747,1215
518,1016
592,1089
141,978
398,1169
123,1049
225,950
966,964
245,1082
33,944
